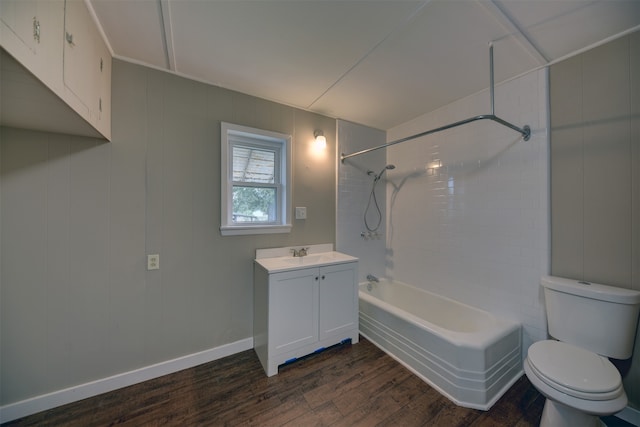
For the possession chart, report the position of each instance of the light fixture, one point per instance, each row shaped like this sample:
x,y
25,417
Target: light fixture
x,y
321,141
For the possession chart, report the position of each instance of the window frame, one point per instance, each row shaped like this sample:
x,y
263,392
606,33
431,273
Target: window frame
x,y
232,135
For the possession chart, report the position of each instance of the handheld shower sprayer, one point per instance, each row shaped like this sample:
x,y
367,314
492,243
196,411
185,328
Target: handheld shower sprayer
x,y
376,177
372,196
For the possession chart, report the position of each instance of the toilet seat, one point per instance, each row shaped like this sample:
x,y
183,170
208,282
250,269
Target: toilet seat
x,y
575,371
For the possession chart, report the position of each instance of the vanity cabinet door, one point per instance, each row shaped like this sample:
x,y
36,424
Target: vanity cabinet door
x,y
293,310
338,299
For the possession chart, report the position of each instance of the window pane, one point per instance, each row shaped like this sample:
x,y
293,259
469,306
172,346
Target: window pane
x,y
253,165
254,204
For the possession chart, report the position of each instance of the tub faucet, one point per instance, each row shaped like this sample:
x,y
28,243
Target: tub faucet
x,y
372,278
299,252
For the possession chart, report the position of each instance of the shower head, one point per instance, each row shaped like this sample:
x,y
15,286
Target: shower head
x,y
382,171
376,177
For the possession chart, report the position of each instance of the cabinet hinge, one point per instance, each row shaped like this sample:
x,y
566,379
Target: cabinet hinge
x,y
100,64
36,29
69,38
100,105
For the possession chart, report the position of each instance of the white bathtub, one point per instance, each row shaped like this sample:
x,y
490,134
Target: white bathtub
x,y
469,355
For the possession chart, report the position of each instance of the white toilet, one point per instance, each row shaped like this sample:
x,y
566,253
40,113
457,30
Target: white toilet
x,y
591,322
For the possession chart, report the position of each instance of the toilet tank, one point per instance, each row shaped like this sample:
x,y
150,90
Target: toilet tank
x,y
595,317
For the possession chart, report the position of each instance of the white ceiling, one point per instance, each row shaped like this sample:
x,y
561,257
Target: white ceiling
x,y
378,63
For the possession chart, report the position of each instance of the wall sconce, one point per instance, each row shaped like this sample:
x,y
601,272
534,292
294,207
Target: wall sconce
x,y
321,141
433,167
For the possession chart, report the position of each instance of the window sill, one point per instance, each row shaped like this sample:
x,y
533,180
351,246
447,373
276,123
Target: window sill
x,y
239,230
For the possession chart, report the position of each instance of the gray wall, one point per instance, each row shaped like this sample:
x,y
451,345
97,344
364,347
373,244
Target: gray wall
x,y
78,217
595,171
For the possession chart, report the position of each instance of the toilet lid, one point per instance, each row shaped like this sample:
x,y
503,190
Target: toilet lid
x,y
574,370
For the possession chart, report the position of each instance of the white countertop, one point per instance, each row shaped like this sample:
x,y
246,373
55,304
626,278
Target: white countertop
x,y
275,264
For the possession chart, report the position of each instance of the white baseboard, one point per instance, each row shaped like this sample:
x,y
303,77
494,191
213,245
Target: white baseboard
x,y
47,401
630,415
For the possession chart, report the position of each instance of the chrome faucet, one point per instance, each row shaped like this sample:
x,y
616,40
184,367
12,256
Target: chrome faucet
x,y
299,252
372,278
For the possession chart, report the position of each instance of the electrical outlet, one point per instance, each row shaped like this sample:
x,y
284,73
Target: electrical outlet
x,y
301,213
153,262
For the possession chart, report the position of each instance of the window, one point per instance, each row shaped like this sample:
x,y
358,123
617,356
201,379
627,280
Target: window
x,y
255,181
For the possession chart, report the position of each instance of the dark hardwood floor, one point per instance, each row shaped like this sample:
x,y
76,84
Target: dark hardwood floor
x,y
346,385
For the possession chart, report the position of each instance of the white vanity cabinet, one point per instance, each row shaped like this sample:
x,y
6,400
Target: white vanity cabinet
x,y
298,311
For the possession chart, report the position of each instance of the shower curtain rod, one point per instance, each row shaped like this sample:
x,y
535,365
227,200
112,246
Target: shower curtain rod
x,y
525,131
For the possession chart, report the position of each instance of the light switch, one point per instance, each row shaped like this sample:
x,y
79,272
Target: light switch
x,y
301,213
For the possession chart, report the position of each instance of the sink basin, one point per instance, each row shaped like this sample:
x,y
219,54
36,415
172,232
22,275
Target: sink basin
x,y
311,260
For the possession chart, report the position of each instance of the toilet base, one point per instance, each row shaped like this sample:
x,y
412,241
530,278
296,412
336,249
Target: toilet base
x,y
556,414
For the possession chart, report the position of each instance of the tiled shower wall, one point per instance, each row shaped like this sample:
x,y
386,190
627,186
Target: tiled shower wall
x,y
468,208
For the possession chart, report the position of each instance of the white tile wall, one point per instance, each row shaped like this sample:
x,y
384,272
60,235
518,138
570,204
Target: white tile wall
x,y
475,229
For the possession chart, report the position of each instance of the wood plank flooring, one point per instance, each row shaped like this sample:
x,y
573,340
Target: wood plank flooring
x,y
346,385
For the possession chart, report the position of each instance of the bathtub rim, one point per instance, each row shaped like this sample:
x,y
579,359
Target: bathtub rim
x,y
472,340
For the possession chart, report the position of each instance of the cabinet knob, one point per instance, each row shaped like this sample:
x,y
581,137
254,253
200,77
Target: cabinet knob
x,y
316,278
323,277
69,38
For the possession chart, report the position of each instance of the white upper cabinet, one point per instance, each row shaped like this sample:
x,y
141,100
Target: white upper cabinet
x,y
31,31
87,67
58,42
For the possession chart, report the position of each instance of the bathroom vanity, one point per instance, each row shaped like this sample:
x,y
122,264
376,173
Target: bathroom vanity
x,y
302,304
